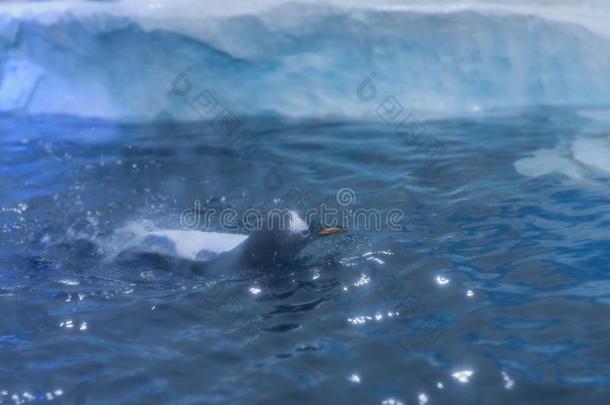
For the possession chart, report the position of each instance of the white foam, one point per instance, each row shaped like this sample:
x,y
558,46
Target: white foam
x,y
577,159
547,161
593,152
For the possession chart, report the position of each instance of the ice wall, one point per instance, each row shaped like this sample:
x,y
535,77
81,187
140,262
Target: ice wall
x,y
297,60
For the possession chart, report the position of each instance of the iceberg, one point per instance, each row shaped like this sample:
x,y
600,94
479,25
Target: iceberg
x,y
332,60
19,81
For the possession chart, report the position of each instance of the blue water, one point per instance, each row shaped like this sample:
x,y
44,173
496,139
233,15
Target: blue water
x,y
495,290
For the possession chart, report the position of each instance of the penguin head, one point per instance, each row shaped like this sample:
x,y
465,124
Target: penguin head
x,y
283,237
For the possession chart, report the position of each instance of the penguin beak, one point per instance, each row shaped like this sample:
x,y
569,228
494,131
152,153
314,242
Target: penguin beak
x,y
333,230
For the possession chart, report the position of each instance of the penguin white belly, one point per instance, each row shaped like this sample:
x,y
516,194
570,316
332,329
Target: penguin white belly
x,y
196,245
145,237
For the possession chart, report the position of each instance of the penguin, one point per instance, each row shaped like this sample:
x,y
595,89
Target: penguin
x,y
273,245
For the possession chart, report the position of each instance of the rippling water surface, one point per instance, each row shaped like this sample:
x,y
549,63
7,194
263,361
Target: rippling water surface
x,y
496,290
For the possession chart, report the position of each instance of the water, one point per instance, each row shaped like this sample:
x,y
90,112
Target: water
x,y
495,290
